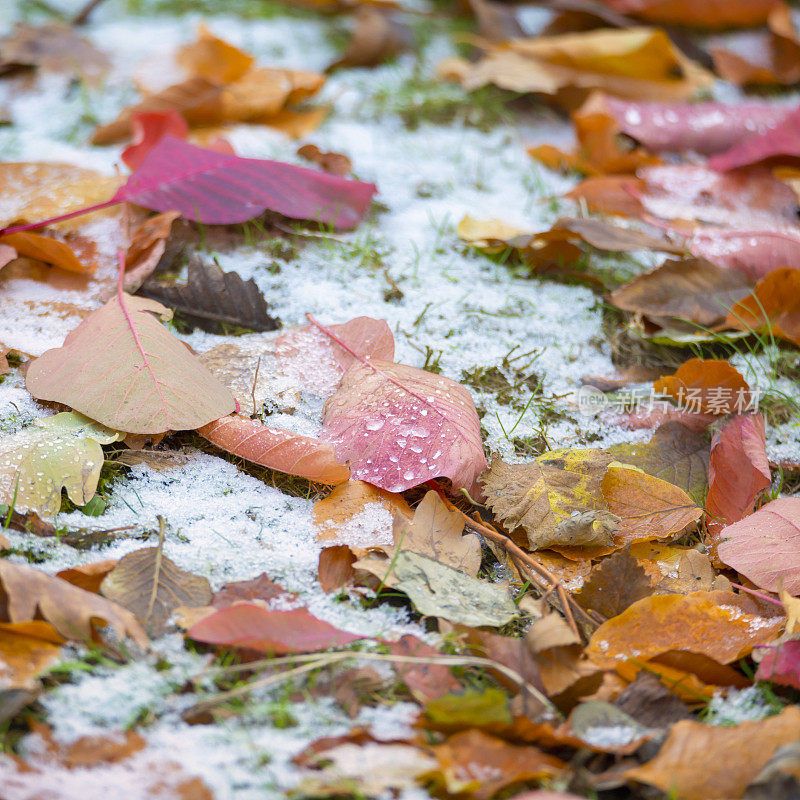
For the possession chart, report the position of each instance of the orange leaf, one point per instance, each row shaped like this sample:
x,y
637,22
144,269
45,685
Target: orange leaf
x,y
706,385
707,14
43,248
213,58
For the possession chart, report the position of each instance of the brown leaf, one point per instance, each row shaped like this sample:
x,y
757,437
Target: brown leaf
x,y
277,449
497,22
88,576
335,569
334,163
710,386
152,586
541,495
376,38
614,584
258,588
608,194
426,681
481,764
212,299
709,14
74,613
719,625
649,702
213,58
690,289
774,306
26,650
147,245
704,762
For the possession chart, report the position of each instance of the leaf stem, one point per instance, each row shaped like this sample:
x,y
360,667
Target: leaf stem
x,y
53,220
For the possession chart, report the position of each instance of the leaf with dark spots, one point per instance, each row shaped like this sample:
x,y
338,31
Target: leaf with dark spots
x,y
212,299
614,584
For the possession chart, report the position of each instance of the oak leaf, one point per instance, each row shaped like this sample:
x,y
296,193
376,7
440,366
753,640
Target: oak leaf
x,y
135,376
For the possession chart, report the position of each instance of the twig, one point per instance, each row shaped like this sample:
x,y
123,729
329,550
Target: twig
x,y
82,17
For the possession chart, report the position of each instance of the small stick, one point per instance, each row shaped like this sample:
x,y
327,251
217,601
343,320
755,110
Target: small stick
x,y
82,17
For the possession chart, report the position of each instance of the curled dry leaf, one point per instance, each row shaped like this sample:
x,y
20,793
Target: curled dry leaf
x,y
152,586
278,632
60,452
277,449
739,471
74,613
540,496
690,289
709,386
399,426
335,568
638,63
720,625
703,762
376,38
773,306
764,546
212,299
136,376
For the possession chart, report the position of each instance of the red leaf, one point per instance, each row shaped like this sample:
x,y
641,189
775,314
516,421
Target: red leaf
x,y
765,547
705,128
399,426
276,448
781,664
739,470
783,142
278,632
149,128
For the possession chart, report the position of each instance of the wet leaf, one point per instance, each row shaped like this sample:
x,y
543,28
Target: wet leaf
x,y
60,452
703,762
212,299
690,289
764,546
710,386
541,495
739,470
276,448
773,307
615,584
607,728
376,38
142,380
152,586
74,613
399,426
278,632
719,625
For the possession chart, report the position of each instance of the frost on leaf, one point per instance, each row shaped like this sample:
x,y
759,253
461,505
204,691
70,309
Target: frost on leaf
x,y
60,452
135,375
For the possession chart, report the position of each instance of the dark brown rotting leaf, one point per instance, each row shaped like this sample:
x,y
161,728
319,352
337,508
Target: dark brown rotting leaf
x,y
614,584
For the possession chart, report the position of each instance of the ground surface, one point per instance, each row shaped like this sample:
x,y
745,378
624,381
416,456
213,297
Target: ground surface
x,y
459,311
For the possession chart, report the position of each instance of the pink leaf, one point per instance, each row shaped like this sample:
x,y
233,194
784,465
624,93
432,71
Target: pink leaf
x,y
277,449
782,141
278,632
149,128
738,472
705,128
315,360
765,547
399,426
219,189
781,664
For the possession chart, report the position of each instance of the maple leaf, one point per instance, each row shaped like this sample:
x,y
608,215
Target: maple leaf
x,y
60,452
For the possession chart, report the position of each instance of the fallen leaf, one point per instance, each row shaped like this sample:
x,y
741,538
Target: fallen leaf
x,y
739,471
650,703
541,495
258,588
703,762
614,584
719,625
607,194
213,58
606,728
334,163
276,448
26,650
335,568
763,546
638,63
47,249
277,632
497,22
689,289
60,452
773,306
710,14
148,128
88,576
399,426
212,299
74,613
435,531
780,664
426,681
710,386
152,586
479,764
53,48
143,380
377,37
